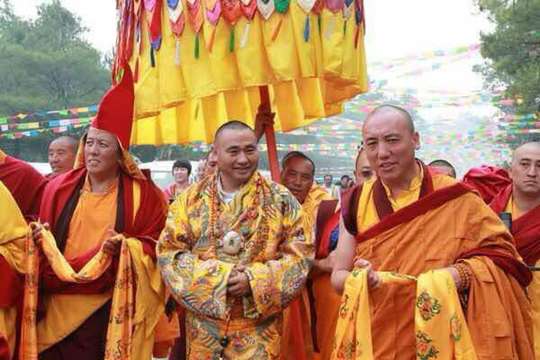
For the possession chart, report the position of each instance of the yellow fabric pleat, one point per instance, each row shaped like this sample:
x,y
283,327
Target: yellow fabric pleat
x,y
441,329
307,79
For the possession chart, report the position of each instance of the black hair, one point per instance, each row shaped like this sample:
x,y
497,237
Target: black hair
x,y
182,164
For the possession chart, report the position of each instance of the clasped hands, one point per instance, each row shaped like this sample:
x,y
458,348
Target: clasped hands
x,y
238,284
111,246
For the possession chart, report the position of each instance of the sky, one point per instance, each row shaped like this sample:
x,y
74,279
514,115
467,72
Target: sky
x,y
395,29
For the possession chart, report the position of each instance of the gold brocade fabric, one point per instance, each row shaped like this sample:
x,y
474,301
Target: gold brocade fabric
x,y
275,253
440,326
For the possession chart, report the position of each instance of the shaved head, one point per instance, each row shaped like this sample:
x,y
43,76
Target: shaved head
x,y
68,140
389,108
533,146
61,154
234,125
525,170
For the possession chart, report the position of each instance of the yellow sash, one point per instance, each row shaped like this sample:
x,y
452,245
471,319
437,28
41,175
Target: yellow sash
x,y
441,330
119,333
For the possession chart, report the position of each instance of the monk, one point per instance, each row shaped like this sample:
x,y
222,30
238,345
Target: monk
x,y
12,236
102,206
519,206
409,221
298,176
62,153
24,182
237,254
444,167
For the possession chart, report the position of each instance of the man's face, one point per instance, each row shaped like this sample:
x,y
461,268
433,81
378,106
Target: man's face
x,y
181,175
61,156
236,154
363,170
390,145
297,176
101,153
525,170
344,182
327,180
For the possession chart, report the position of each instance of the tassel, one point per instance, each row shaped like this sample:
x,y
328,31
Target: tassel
x,y
306,29
177,53
152,57
231,40
197,46
245,35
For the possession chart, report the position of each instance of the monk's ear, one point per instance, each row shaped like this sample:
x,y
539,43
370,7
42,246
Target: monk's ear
x,y
416,139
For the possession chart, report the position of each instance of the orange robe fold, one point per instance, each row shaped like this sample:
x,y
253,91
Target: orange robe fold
x,y
446,224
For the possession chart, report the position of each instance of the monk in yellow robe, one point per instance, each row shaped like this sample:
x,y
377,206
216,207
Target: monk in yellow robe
x,y
12,236
297,175
104,206
410,221
519,207
237,254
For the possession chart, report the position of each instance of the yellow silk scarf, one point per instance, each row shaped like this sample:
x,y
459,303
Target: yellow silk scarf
x,y
119,333
440,326
441,330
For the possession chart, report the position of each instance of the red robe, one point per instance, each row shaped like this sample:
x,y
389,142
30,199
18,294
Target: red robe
x,y
25,183
487,180
525,229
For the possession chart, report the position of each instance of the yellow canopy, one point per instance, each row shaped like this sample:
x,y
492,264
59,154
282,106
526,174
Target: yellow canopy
x,y
311,61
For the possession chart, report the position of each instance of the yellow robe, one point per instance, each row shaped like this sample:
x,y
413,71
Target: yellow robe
x,y
13,230
276,253
498,311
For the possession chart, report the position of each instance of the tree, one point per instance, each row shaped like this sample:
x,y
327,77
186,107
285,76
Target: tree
x,y
512,51
46,63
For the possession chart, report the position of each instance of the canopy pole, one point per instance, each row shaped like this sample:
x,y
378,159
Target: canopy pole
x,y
270,135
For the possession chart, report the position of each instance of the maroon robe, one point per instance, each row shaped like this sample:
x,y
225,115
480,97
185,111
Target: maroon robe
x,y
525,229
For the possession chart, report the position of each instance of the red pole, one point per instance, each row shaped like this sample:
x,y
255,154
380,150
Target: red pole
x,y
273,162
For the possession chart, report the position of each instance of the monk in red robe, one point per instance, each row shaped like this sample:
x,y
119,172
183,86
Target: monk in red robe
x,y
24,182
410,221
519,206
105,195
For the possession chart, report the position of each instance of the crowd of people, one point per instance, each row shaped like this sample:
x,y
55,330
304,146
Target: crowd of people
x,y
404,261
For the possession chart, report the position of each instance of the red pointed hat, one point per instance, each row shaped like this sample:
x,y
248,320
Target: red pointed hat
x,y
115,112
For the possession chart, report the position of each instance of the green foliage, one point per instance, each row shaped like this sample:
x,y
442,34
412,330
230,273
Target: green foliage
x,y
513,50
45,63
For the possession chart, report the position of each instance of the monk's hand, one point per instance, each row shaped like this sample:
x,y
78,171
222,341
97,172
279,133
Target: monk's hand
x,y
238,284
326,265
374,280
111,246
37,234
263,119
